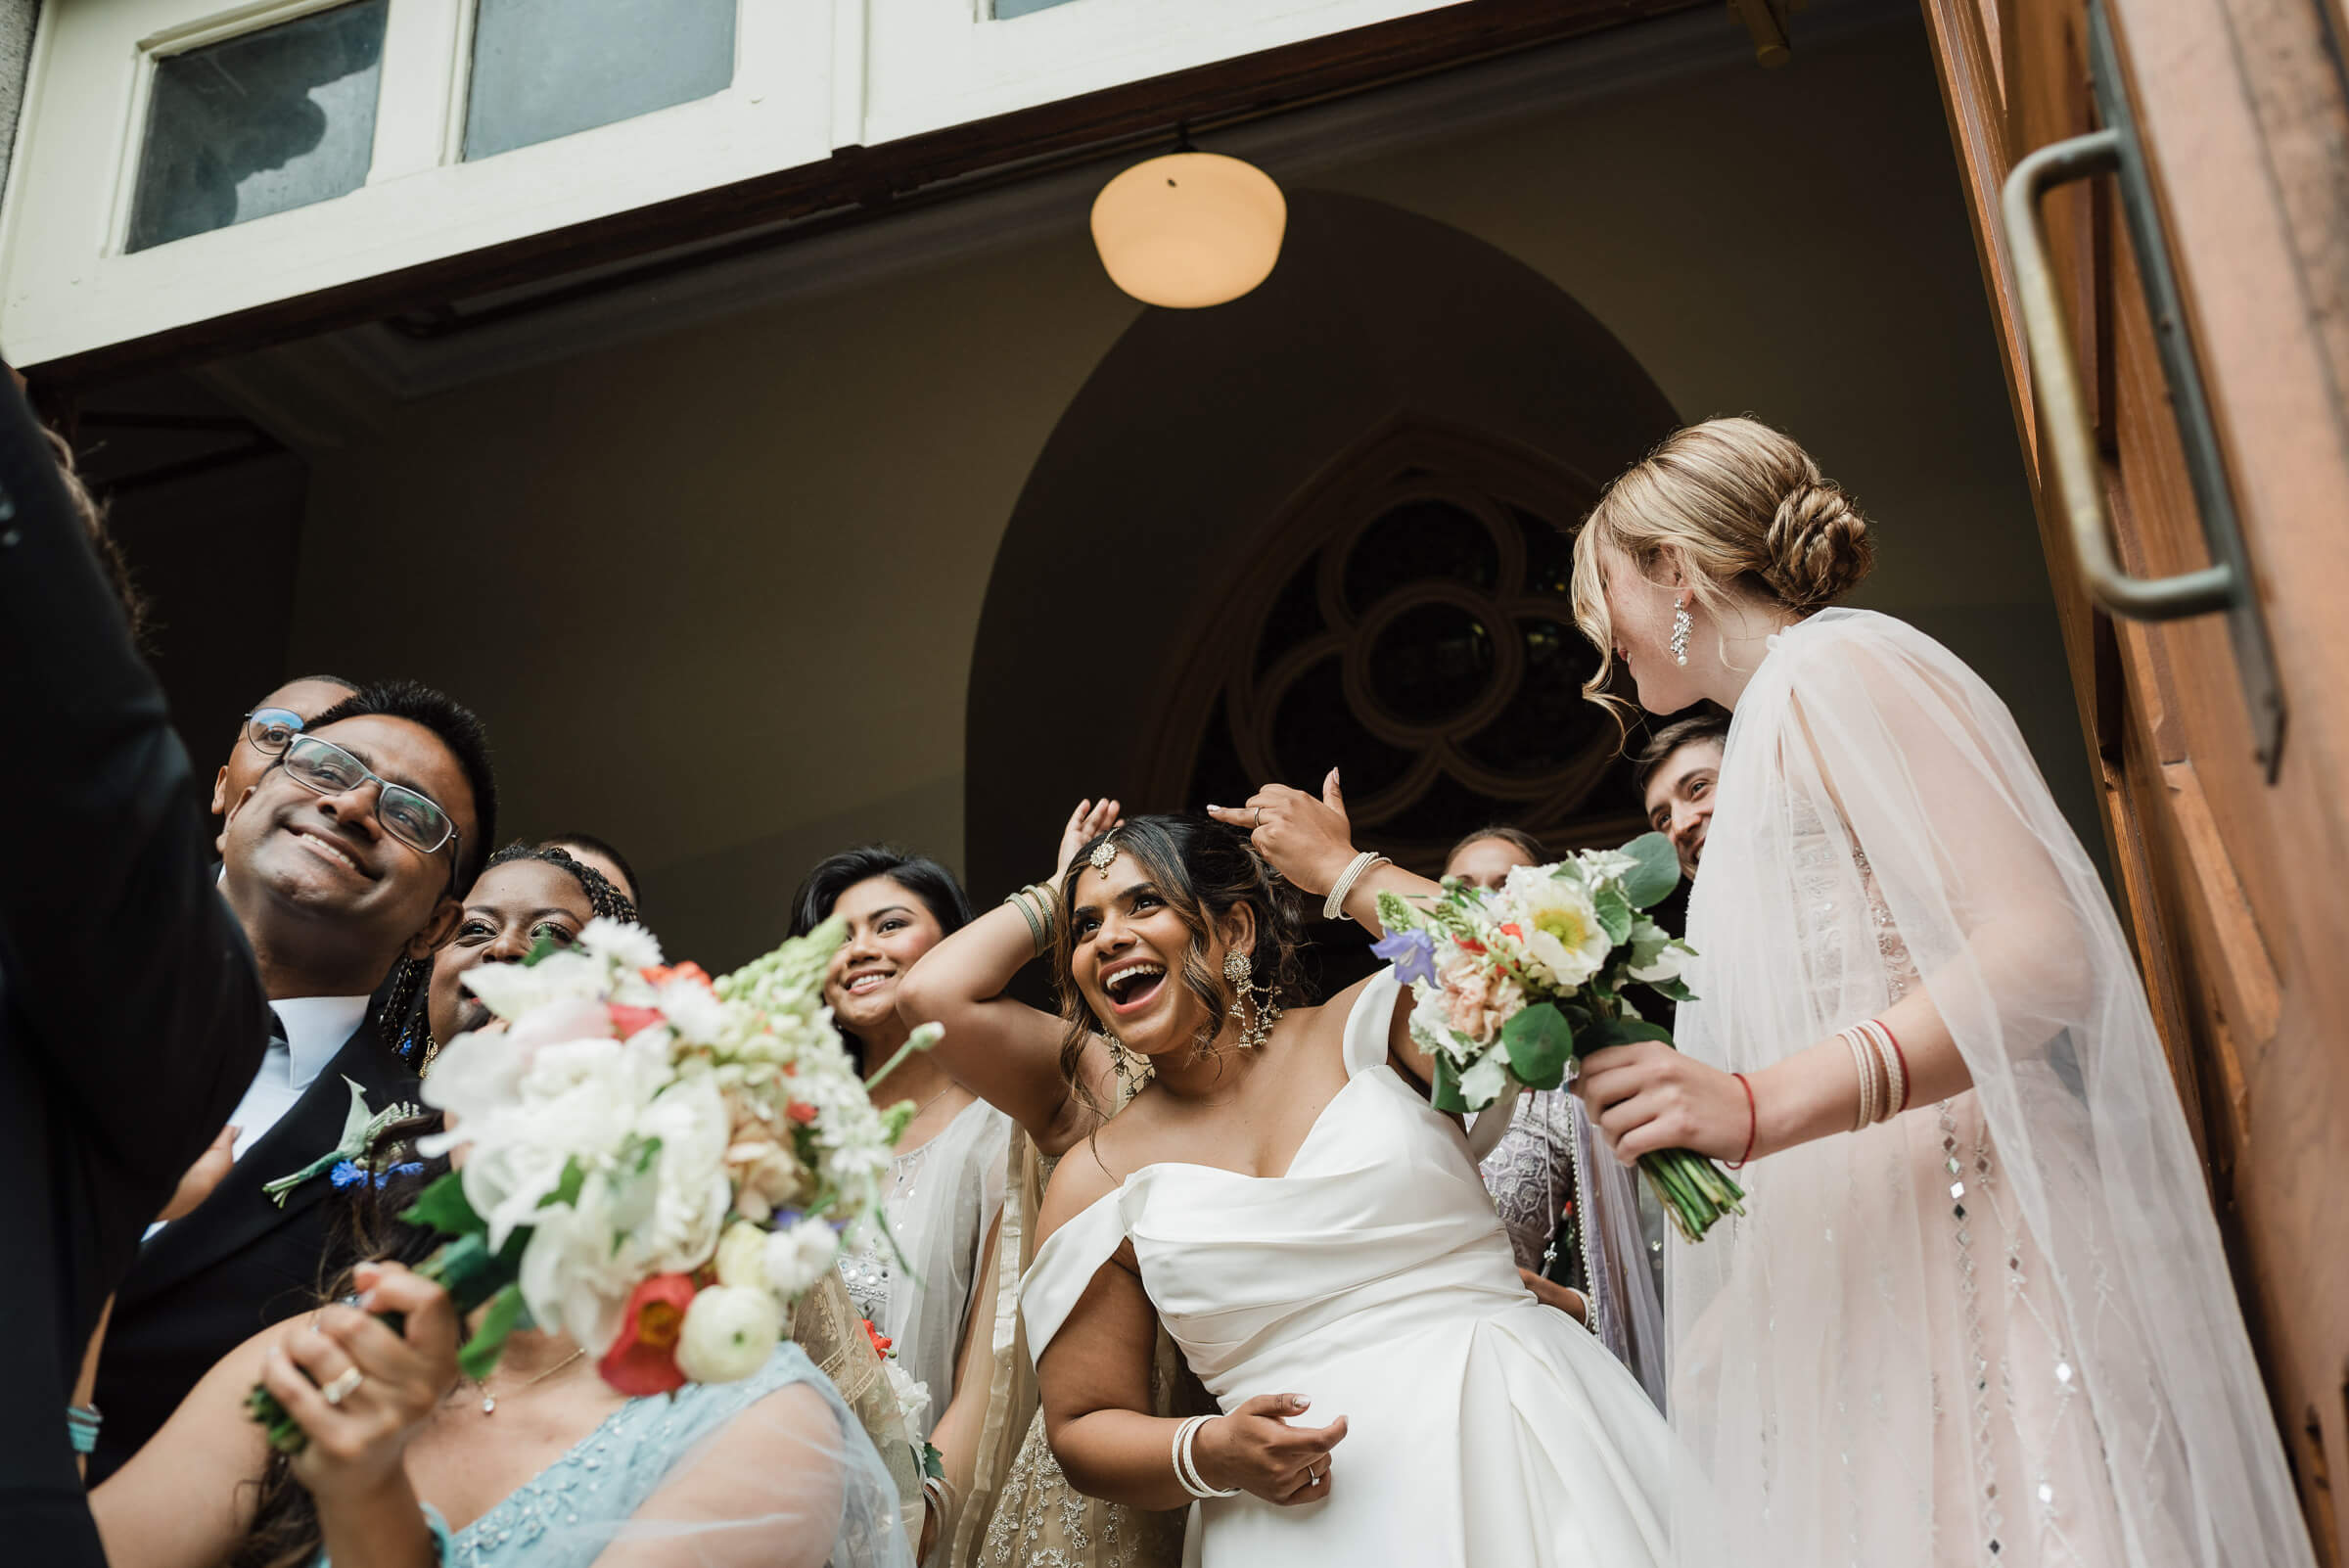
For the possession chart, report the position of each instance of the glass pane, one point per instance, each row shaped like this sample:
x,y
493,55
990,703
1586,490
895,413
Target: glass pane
x,y
1549,557
256,124
1314,730
543,68
1447,809
1417,540
1296,615
1005,9
1430,662
1546,724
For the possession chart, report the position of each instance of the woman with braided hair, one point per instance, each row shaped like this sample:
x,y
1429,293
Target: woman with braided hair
x,y
422,1007
1311,1233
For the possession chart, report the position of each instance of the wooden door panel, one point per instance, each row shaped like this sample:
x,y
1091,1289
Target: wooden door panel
x,y
2236,882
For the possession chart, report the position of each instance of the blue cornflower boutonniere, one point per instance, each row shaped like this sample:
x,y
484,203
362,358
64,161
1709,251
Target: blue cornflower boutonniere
x,y
360,1129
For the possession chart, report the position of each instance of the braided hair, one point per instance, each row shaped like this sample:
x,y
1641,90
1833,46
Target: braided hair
x,y
403,1014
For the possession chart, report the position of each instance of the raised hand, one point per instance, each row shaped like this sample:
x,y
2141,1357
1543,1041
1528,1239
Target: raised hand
x,y
359,1425
1256,1449
1307,840
1089,819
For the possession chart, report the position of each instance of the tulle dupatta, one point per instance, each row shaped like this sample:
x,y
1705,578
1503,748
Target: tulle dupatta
x,y
1995,1330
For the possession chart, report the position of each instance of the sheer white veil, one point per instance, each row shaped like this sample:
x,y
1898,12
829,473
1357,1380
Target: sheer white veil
x,y
1996,1331
1630,1319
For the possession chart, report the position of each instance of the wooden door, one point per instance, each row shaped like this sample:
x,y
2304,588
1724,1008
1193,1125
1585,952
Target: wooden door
x,y
2224,765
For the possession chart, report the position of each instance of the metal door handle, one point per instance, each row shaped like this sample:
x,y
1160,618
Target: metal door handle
x,y
2063,420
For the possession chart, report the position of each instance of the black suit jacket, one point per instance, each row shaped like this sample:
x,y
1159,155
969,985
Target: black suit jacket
x,y
131,1017
207,1282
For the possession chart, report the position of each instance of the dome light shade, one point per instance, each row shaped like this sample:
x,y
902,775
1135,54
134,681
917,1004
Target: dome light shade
x,y
1189,229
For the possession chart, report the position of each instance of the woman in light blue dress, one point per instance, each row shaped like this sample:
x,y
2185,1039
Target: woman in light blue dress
x,y
543,1465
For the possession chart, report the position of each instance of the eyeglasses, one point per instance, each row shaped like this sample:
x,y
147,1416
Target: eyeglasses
x,y
407,814
270,729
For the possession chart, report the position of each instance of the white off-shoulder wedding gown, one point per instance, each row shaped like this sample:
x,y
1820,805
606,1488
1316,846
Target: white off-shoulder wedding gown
x,y
1482,1428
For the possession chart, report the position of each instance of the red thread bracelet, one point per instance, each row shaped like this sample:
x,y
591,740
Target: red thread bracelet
x,y
1753,1123
1908,1084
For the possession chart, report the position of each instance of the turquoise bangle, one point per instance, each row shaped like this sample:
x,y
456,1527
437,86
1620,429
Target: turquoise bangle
x,y
81,1427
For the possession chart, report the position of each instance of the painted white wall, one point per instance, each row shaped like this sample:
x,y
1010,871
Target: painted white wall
x,y
715,590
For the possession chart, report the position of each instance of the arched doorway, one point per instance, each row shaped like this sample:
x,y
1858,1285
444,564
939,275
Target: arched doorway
x,y
1321,521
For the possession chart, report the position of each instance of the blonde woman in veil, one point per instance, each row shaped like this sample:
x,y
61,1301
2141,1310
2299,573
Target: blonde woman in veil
x,y
1978,1312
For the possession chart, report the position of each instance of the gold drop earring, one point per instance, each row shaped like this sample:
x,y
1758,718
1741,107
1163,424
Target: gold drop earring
x,y
1254,1013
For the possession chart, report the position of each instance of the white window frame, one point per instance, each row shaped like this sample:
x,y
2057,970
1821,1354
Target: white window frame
x,y
939,63
810,76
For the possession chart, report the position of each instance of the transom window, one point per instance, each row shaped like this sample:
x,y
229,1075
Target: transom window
x,y
261,123
1422,642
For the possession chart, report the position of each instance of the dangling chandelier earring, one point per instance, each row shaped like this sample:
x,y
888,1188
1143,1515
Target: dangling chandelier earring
x,y
1251,1006
1680,633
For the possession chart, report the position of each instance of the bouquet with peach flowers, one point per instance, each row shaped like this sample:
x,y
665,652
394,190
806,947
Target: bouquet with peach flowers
x,y
656,1164
1512,985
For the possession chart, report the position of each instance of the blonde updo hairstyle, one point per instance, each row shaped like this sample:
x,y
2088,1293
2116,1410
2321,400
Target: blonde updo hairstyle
x,y
1748,513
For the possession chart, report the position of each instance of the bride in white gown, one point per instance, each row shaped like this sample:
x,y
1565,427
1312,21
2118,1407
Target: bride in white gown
x,y
1317,1242
1977,1312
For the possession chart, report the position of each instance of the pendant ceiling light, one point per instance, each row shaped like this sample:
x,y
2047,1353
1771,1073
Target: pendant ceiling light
x,y
1189,229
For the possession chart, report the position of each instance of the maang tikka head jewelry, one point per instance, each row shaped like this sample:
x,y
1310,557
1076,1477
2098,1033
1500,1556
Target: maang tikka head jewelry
x,y
1105,853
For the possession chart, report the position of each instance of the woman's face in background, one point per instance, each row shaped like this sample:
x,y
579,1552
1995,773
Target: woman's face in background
x,y
506,913
1485,862
889,928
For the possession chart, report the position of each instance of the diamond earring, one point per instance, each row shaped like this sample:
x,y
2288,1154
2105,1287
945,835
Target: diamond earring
x,y
1680,633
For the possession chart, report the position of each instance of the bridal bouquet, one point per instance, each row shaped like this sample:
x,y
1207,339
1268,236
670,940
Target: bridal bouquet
x,y
657,1164
1514,983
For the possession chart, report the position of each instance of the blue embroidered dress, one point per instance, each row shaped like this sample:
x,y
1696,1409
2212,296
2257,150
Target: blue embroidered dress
x,y
566,1514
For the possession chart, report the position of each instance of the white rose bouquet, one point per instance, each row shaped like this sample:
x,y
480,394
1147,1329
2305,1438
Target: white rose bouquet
x,y
657,1164
1514,983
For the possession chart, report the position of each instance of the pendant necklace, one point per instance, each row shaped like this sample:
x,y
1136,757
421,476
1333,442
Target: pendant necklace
x,y
489,1400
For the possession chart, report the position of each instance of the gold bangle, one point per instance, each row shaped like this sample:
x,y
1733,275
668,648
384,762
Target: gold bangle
x,y
1036,932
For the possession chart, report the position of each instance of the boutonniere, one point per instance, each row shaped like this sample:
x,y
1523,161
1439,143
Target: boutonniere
x,y
360,1129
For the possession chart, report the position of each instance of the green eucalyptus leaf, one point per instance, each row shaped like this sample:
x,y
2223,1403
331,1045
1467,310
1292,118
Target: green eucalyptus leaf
x,y
1619,1031
478,1359
1540,1043
443,1207
1651,882
1445,1094
1613,913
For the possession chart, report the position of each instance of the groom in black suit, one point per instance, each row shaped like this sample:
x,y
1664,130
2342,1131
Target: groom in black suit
x,y
330,897
130,1012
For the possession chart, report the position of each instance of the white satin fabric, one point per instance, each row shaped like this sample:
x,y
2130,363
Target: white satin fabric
x,y
1483,1427
1998,1331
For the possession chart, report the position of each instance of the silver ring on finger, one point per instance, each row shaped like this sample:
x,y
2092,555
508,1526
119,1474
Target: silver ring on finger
x,y
343,1385
1258,820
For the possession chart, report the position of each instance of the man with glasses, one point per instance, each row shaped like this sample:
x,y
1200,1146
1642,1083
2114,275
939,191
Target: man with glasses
x,y
130,1011
348,851
261,737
